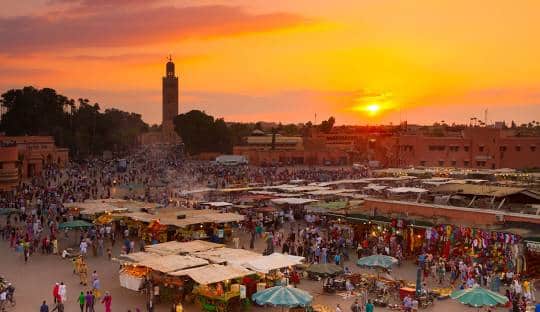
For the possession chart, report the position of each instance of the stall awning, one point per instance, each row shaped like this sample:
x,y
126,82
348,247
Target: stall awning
x,y
273,262
175,248
403,190
213,273
375,187
228,255
136,257
216,204
171,263
292,201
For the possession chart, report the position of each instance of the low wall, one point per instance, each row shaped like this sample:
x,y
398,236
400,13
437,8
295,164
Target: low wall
x,y
472,216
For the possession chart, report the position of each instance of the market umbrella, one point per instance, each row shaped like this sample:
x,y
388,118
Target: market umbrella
x,y
479,297
377,261
8,211
75,224
283,296
325,269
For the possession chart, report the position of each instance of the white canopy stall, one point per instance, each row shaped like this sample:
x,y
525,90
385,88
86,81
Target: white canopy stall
x,y
273,262
176,248
228,255
213,273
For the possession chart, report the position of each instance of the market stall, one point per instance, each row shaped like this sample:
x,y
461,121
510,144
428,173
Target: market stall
x,y
218,285
228,255
133,276
273,262
174,247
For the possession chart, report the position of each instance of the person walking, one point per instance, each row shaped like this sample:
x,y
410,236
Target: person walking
x,y
369,306
89,298
95,287
62,293
107,300
59,307
356,307
55,292
44,307
81,300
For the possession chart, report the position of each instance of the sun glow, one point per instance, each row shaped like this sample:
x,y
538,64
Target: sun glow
x,y
374,106
373,109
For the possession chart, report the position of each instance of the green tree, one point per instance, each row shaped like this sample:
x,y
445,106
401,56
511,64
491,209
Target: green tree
x,y
78,125
327,125
201,133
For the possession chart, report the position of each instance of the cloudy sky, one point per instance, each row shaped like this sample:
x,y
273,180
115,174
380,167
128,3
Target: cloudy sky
x,y
362,61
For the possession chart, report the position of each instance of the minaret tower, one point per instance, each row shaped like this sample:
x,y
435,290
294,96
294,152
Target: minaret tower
x,y
170,95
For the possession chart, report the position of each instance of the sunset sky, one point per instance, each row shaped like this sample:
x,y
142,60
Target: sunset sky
x,y
362,61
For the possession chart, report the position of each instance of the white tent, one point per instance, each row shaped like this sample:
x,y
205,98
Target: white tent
x,y
228,255
213,273
375,187
217,204
171,263
272,262
292,201
175,248
403,190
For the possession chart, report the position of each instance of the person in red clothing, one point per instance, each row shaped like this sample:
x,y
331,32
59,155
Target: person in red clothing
x,y
56,296
107,300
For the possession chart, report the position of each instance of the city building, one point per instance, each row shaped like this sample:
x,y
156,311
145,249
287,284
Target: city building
x,y
23,157
9,170
474,147
167,134
471,147
288,150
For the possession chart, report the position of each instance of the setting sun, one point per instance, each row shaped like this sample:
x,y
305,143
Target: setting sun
x,y
373,109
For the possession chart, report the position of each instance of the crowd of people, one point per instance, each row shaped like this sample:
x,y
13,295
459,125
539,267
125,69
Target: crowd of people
x,y
37,206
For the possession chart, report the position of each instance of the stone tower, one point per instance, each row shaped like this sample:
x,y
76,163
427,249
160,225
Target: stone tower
x,y
170,95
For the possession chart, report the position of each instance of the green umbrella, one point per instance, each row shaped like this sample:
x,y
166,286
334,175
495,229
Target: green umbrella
x,y
75,224
8,211
325,269
479,297
377,261
283,296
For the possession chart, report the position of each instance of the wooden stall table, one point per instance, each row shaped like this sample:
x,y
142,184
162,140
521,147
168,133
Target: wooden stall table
x,y
211,302
404,291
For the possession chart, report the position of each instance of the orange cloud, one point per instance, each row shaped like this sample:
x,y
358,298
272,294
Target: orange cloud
x,y
67,29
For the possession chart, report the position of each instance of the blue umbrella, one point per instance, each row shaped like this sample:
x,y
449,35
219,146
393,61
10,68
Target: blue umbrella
x,y
283,296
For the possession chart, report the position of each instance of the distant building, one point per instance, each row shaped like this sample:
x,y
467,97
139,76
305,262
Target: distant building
x,y
23,157
475,147
9,168
167,134
231,160
288,150
169,96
